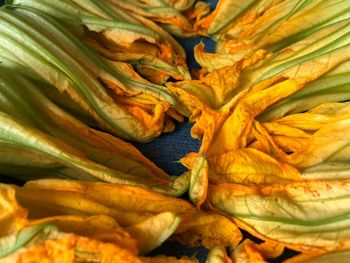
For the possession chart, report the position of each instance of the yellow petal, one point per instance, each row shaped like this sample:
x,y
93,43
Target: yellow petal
x,y
12,216
233,133
127,205
235,60
251,167
341,256
218,254
98,227
247,252
308,216
152,232
70,249
207,229
199,181
317,117
328,144
164,259
266,141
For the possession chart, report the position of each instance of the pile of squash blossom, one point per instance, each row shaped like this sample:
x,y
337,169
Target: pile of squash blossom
x,y
80,78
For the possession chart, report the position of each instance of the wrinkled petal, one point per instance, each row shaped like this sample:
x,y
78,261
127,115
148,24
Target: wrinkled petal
x,y
330,143
305,216
199,181
12,216
128,206
98,227
333,257
250,167
70,248
218,255
152,232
